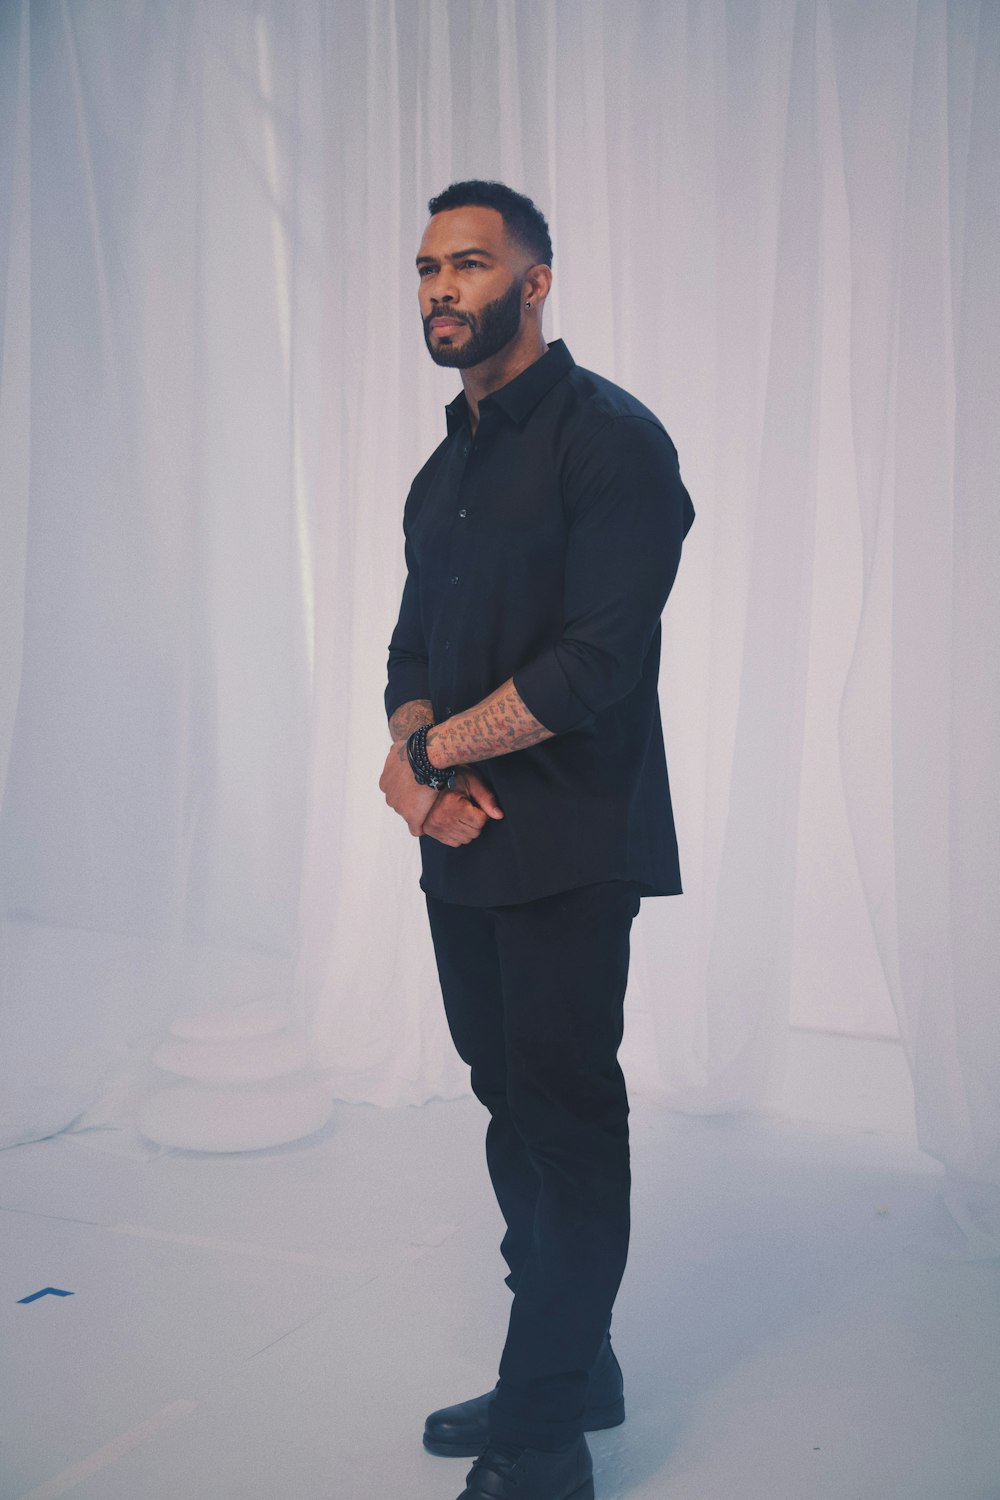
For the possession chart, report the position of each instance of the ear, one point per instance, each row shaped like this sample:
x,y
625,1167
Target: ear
x,y
537,285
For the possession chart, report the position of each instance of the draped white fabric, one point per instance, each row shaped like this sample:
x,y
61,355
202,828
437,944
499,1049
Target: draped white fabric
x,y
776,221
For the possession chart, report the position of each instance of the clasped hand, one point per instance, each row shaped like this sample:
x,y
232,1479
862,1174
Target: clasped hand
x,y
455,818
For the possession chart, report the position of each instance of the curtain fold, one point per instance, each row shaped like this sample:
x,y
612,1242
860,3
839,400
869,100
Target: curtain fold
x,y
776,222
919,727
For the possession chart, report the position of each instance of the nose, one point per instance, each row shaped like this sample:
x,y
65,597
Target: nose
x,y
443,288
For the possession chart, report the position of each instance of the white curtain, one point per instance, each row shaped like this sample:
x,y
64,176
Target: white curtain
x,y
776,221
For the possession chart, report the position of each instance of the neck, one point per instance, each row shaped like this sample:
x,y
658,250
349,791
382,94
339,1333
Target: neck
x,y
482,380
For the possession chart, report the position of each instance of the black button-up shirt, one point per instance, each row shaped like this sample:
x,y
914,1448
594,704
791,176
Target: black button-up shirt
x,y
543,548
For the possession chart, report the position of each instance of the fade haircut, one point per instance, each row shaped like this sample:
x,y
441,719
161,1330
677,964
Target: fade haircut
x,y
523,221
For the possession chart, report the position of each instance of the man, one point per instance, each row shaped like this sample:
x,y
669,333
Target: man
x,y
542,538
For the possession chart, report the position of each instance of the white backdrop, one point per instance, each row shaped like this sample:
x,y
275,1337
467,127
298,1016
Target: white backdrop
x,y
776,221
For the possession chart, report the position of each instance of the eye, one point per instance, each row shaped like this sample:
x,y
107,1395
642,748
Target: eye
x,y
475,263
423,271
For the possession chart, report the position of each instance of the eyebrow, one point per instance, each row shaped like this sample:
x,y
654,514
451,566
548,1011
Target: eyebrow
x,y
457,255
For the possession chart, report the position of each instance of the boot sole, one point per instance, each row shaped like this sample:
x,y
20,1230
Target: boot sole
x,y
595,1421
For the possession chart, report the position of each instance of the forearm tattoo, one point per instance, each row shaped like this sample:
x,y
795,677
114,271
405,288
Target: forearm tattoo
x,y
499,725
408,717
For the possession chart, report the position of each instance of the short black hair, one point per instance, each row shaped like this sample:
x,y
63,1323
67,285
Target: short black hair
x,y
523,221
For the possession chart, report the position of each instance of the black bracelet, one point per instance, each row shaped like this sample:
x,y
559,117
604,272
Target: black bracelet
x,y
424,774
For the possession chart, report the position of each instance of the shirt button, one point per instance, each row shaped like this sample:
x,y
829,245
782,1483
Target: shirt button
x,y
455,578
462,514
448,710
447,645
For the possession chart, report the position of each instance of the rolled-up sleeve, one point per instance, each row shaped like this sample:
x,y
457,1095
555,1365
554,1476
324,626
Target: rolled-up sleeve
x,y
408,673
629,513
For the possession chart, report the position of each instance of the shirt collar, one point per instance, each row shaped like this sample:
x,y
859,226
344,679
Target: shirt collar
x,y
521,395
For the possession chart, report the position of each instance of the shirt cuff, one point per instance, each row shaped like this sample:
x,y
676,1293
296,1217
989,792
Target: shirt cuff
x,y
545,691
407,684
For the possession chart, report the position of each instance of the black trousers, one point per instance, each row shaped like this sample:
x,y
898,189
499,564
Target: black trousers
x,y
533,995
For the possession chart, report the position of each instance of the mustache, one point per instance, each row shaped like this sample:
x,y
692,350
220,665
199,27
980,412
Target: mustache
x,y
453,316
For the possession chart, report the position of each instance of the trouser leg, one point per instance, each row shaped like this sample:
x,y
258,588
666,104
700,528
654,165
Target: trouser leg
x,y
469,970
534,995
564,969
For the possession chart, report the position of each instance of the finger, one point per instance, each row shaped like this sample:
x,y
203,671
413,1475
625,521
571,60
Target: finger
x,y
449,837
478,792
455,831
451,831
456,807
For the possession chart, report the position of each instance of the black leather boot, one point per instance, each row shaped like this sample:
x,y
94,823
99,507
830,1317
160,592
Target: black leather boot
x,y
462,1431
529,1474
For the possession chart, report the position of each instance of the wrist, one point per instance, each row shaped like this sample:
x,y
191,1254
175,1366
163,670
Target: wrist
x,y
436,753
425,771
407,717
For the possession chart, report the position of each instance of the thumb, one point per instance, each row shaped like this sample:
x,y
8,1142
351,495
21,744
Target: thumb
x,y
478,792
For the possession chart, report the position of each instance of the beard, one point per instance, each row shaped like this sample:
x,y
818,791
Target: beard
x,y
489,331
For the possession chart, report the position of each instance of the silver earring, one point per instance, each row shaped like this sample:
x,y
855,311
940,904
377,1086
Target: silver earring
x,y
527,304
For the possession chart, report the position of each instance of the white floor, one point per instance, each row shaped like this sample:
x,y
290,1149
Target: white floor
x,y
800,1319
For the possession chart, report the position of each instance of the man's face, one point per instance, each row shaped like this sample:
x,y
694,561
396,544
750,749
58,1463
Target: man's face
x,y
471,285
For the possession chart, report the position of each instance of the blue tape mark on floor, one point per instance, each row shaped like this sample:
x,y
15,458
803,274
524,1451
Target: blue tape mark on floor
x,y
47,1291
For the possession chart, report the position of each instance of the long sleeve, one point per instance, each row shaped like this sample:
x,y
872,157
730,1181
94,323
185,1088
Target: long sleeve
x,y
408,676
629,515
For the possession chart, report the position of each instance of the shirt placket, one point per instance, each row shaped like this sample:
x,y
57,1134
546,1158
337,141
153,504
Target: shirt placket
x,y
459,567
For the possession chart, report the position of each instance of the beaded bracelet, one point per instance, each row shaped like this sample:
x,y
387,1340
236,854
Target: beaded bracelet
x,y
424,774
